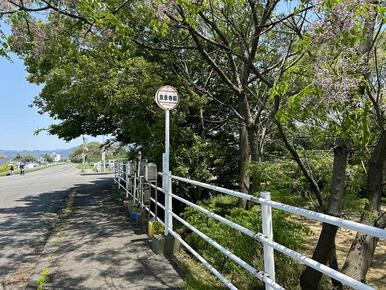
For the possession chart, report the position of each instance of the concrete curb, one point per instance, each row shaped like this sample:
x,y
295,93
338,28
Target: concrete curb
x,y
96,173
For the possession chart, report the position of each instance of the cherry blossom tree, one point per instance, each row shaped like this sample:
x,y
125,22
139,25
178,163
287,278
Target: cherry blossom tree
x,y
344,69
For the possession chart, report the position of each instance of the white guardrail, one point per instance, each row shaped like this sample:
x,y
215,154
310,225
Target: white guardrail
x,y
132,175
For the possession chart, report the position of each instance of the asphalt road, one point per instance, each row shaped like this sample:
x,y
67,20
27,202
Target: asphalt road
x,y
28,210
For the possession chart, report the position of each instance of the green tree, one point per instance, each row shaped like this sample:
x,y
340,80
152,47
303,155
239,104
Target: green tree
x,y
199,32
48,157
94,153
339,97
241,66
24,158
247,57
122,103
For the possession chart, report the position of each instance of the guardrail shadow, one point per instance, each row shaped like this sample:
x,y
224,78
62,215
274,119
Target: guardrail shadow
x,y
91,244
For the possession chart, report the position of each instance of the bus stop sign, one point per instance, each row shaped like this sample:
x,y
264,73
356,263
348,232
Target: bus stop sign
x,y
167,98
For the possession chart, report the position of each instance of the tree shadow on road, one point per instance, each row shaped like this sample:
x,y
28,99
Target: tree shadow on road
x,y
25,228
96,247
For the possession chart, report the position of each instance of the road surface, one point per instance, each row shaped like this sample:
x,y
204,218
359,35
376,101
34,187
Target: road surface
x,y
90,246
28,210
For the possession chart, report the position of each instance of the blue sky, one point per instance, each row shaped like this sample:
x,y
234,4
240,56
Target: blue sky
x,y
18,121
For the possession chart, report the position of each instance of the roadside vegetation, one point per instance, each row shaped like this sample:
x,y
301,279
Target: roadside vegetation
x,y
43,279
94,151
285,96
4,168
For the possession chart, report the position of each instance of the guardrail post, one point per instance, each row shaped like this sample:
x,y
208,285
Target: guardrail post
x,y
269,261
115,171
134,187
137,196
141,188
127,179
156,199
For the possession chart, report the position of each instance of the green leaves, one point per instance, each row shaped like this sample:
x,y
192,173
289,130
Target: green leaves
x,y
286,232
3,45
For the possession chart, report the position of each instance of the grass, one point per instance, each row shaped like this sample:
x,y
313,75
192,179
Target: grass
x,y
43,279
85,167
67,210
16,172
197,277
57,232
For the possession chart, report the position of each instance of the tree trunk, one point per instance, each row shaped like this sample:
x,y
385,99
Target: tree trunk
x,y
333,262
244,179
253,136
245,147
262,142
360,256
310,278
362,249
306,172
202,123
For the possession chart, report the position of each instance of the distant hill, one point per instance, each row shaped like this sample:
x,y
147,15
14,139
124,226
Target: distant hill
x,y
9,154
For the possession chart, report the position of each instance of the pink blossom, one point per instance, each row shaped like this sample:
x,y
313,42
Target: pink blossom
x,y
161,7
31,33
5,6
339,64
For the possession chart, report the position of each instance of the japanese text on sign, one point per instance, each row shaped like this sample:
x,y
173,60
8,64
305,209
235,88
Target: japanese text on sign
x,y
167,98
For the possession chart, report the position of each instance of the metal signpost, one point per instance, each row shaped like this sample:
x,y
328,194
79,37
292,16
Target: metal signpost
x,y
167,99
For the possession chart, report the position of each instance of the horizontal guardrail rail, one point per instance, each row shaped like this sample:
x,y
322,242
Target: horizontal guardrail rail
x,y
293,254
268,275
258,274
341,223
204,262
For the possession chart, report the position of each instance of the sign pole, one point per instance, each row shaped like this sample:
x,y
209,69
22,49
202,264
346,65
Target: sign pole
x,y
167,141
165,172
167,99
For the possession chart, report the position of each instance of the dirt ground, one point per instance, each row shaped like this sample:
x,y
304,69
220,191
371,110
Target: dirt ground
x,y
376,276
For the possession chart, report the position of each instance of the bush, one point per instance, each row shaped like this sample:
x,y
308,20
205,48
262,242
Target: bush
x,y
4,168
287,233
287,183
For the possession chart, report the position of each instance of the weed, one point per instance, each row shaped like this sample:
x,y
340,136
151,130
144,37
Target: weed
x,y
43,279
